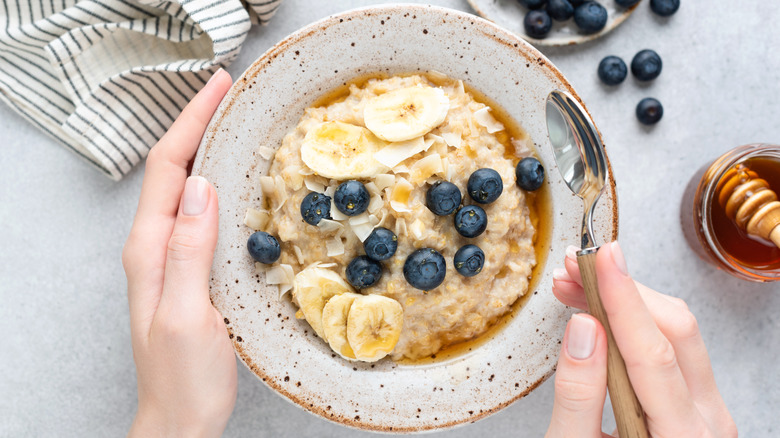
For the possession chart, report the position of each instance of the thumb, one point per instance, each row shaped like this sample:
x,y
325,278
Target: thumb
x,y
580,380
191,247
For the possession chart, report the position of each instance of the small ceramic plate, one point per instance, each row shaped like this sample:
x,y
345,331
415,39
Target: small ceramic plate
x,y
510,14
267,101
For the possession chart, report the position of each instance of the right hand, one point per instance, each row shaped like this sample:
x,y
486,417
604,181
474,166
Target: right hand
x,y
660,342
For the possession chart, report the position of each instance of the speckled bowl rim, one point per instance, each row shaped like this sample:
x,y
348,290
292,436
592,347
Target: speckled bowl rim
x,y
489,30
561,41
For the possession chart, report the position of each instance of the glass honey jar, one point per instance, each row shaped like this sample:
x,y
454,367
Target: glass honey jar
x,y
727,208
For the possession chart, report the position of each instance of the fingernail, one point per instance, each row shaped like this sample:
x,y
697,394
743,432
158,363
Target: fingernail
x,y
582,337
216,73
571,252
195,197
559,274
618,259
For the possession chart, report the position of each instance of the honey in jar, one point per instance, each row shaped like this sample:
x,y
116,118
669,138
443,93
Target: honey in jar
x,y
719,204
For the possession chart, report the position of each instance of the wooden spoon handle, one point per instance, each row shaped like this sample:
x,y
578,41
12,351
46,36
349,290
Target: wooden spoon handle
x,y
628,412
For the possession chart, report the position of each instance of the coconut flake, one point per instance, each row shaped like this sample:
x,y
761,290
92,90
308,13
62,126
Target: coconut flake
x,y
401,168
267,185
522,147
399,199
453,139
293,178
484,118
335,246
461,87
373,189
313,185
400,227
362,231
375,204
398,151
329,226
298,254
362,218
329,191
384,180
437,75
281,275
424,168
373,220
256,219
266,152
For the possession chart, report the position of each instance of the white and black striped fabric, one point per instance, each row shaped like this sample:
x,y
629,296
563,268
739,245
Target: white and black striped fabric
x,y
106,78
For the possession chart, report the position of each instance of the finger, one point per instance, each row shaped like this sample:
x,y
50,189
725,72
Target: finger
x,y
166,170
570,263
580,380
650,358
191,251
567,291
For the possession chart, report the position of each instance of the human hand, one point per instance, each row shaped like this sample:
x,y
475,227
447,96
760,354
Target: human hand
x,y
185,362
660,342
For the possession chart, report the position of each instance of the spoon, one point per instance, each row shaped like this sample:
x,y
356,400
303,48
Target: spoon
x,y
580,157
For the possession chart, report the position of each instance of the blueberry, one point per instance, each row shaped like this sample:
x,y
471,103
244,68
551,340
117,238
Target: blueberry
x,y
560,10
590,17
381,244
263,247
351,198
649,111
626,3
612,70
362,272
646,65
469,260
665,8
533,4
485,186
470,221
537,23
425,269
576,3
530,174
443,198
315,207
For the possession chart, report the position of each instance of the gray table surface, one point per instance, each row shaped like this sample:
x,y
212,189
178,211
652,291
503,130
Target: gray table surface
x,y
66,366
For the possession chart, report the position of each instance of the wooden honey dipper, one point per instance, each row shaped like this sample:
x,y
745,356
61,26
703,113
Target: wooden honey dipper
x,y
748,201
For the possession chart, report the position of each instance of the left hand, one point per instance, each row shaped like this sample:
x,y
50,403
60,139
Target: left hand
x,y
185,362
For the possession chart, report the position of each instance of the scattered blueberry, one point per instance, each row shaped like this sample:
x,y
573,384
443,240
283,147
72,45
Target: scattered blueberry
x,y
590,17
263,247
443,198
425,269
533,4
560,10
315,207
626,3
351,198
537,23
530,174
665,8
362,272
469,260
649,111
485,185
612,70
471,221
646,65
381,244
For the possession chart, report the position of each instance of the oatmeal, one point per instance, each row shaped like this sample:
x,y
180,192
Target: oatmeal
x,y
394,168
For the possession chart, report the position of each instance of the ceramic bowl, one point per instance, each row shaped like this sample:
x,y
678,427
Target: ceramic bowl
x,y
510,14
267,101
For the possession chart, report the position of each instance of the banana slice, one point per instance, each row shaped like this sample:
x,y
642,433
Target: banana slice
x,y
314,286
342,151
406,113
334,323
374,326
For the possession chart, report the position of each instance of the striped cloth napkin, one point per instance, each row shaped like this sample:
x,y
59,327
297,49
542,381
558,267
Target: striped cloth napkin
x,y
106,78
